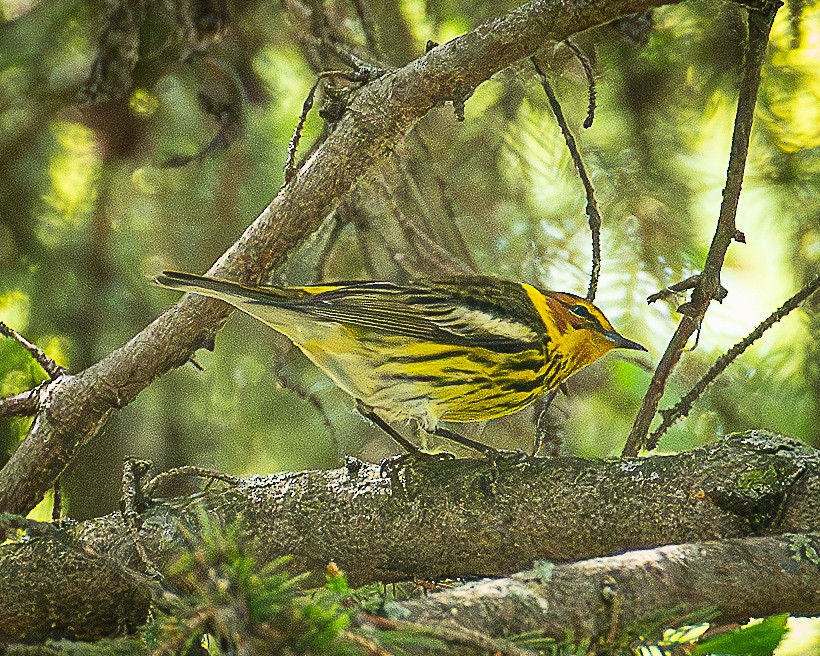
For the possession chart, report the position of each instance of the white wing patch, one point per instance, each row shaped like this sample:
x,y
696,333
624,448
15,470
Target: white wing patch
x,y
460,317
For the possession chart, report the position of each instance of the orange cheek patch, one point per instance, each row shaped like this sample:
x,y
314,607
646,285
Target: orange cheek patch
x,y
559,314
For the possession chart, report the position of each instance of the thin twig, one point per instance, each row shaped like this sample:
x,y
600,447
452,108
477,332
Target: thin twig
x,y
544,427
581,56
188,471
682,407
366,20
25,404
53,370
373,68
593,213
320,29
451,263
359,75
459,245
312,398
340,221
290,164
708,285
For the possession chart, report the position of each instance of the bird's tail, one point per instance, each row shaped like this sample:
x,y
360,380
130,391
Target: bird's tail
x,y
225,290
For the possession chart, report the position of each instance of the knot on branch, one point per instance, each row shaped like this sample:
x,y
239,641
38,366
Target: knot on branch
x,y
759,494
461,93
31,402
691,308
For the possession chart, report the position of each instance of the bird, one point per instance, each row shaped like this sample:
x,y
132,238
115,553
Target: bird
x,y
459,350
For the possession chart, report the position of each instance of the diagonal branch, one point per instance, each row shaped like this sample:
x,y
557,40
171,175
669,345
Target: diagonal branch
x,y
708,284
382,113
682,407
53,370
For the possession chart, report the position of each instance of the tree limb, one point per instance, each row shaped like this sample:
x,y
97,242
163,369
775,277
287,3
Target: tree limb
x,y
24,404
382,113
733,579
462,518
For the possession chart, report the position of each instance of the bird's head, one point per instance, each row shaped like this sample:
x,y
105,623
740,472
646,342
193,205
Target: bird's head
x,y
580,331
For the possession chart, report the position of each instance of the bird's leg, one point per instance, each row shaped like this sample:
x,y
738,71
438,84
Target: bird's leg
x,y
464,441
370,413
489,452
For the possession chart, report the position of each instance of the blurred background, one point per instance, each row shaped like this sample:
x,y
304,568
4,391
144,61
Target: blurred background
x,y
97,197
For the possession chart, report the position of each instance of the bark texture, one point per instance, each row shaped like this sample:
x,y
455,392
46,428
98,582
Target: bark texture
x,y
435,519
626,594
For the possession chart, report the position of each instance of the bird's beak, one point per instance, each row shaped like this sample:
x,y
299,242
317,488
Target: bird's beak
x,y
622,342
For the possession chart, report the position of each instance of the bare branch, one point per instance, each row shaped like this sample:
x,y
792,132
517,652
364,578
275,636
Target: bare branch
x,y
188,471
25,404
593,213
708,285
684,578
682,407
581,56
293,145
366,20
53,370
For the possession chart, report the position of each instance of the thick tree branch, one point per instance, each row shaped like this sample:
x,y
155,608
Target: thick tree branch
x,y
382,113
463,518
620,595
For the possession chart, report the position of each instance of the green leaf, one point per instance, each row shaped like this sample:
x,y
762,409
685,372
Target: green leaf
x,y
756,640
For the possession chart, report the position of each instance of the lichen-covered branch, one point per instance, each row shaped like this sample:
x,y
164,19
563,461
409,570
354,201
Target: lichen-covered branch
x,y
435,519
381,114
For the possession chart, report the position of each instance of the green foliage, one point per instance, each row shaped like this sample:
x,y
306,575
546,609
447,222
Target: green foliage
x,y
217,591
223,591
550,647
802,547
758,639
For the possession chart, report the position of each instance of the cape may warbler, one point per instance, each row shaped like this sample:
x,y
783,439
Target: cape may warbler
x,y
459,350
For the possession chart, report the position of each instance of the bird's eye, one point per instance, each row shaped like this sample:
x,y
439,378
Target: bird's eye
x,y
580,311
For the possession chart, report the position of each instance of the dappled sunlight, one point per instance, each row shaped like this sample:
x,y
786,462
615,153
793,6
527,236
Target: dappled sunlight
x,y
73,170
15,309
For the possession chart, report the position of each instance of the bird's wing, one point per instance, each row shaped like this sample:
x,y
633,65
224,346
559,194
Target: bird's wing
x,y
467,313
